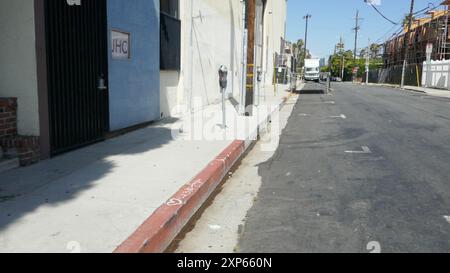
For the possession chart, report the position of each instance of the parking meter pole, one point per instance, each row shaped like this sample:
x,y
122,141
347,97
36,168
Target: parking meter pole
x,y
224,117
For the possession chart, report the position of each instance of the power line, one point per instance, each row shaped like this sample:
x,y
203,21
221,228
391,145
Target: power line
x,y
379,12
430,6
420,12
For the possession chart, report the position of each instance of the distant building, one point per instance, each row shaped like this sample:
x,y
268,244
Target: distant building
x,y
433,29
323,62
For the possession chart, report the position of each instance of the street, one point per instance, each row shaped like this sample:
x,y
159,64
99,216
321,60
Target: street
x,y
364,169
245,127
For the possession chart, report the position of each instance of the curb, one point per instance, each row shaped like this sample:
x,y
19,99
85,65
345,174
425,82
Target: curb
x,y
162,227
394,86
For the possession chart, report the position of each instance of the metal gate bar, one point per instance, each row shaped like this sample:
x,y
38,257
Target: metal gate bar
x,y
76,58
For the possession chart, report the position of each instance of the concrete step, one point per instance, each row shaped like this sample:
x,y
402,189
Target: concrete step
x,y
8,164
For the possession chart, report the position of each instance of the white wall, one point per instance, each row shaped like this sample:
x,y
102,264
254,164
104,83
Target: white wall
x,y
437,74
18,62
274,30
217,40
170,96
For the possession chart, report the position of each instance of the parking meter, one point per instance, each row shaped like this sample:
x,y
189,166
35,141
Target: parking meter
x,y
223,82
223,75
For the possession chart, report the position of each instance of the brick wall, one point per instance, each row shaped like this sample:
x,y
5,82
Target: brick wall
x,y
26,147
8,117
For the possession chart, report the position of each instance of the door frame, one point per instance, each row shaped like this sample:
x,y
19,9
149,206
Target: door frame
x,y
43,82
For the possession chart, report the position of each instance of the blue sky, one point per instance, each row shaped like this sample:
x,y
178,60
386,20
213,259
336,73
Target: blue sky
x,y
332,18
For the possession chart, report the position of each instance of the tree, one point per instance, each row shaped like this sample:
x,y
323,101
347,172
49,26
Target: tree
x,y
363,53
300,54
375,50
405,22
349,63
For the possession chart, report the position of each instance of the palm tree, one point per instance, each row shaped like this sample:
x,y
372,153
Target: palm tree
x,y
405,22
375,50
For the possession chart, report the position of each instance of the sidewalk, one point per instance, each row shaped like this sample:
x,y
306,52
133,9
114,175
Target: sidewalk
x,y
429,91
93,199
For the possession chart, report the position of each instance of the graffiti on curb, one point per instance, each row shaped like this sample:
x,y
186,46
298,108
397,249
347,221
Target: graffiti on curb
x,y
74,247
190,188
374,247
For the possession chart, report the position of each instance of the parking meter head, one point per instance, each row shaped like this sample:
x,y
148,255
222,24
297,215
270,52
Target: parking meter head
x,y
259,75
223,75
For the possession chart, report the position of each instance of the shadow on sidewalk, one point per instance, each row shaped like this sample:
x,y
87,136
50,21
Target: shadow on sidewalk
x,y
63,178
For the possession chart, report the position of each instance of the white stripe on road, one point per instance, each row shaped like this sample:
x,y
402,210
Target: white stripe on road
x,y
447,218
341,116
365,150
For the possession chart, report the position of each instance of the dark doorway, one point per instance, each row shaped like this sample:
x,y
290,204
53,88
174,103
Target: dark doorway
x,y
77,64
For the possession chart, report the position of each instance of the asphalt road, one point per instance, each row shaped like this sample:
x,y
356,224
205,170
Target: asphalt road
x,y
364,169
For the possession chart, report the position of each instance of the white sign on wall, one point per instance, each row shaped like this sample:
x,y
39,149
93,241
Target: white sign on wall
x,y
120,45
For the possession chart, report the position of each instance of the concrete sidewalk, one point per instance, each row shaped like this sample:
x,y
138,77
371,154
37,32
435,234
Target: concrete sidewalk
x,y
429,91
93,199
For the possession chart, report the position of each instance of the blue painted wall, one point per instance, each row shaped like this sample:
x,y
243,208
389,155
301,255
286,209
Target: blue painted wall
x,y
134,83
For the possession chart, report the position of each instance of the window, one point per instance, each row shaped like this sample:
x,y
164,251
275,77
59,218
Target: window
x,y
170,7
314,69
170,32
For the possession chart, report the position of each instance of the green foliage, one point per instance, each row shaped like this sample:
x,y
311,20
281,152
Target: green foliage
x,y
405,22
349,63
299,48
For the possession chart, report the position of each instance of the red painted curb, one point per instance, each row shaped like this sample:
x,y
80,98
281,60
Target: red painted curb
x,y
159,230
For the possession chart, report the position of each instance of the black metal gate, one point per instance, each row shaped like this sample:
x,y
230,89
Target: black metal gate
x,y
77,65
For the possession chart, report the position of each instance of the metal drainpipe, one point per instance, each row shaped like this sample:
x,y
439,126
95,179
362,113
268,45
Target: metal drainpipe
x,y
244,59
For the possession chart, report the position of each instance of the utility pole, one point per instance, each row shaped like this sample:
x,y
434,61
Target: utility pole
x,y
406,43
356,29
250,26
341,46
367,62
306,17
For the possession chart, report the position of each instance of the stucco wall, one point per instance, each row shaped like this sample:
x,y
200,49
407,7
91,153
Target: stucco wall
x,y
18,62
217,40
170,94
134,83
274,30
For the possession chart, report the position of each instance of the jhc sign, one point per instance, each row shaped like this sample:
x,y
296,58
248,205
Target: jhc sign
x,y
120,45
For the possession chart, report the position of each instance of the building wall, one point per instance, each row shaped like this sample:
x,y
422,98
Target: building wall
x,y
170,96
134,84
218,40
274,30
18,62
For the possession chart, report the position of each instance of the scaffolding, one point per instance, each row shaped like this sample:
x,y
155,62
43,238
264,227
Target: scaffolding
x,y
430,30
